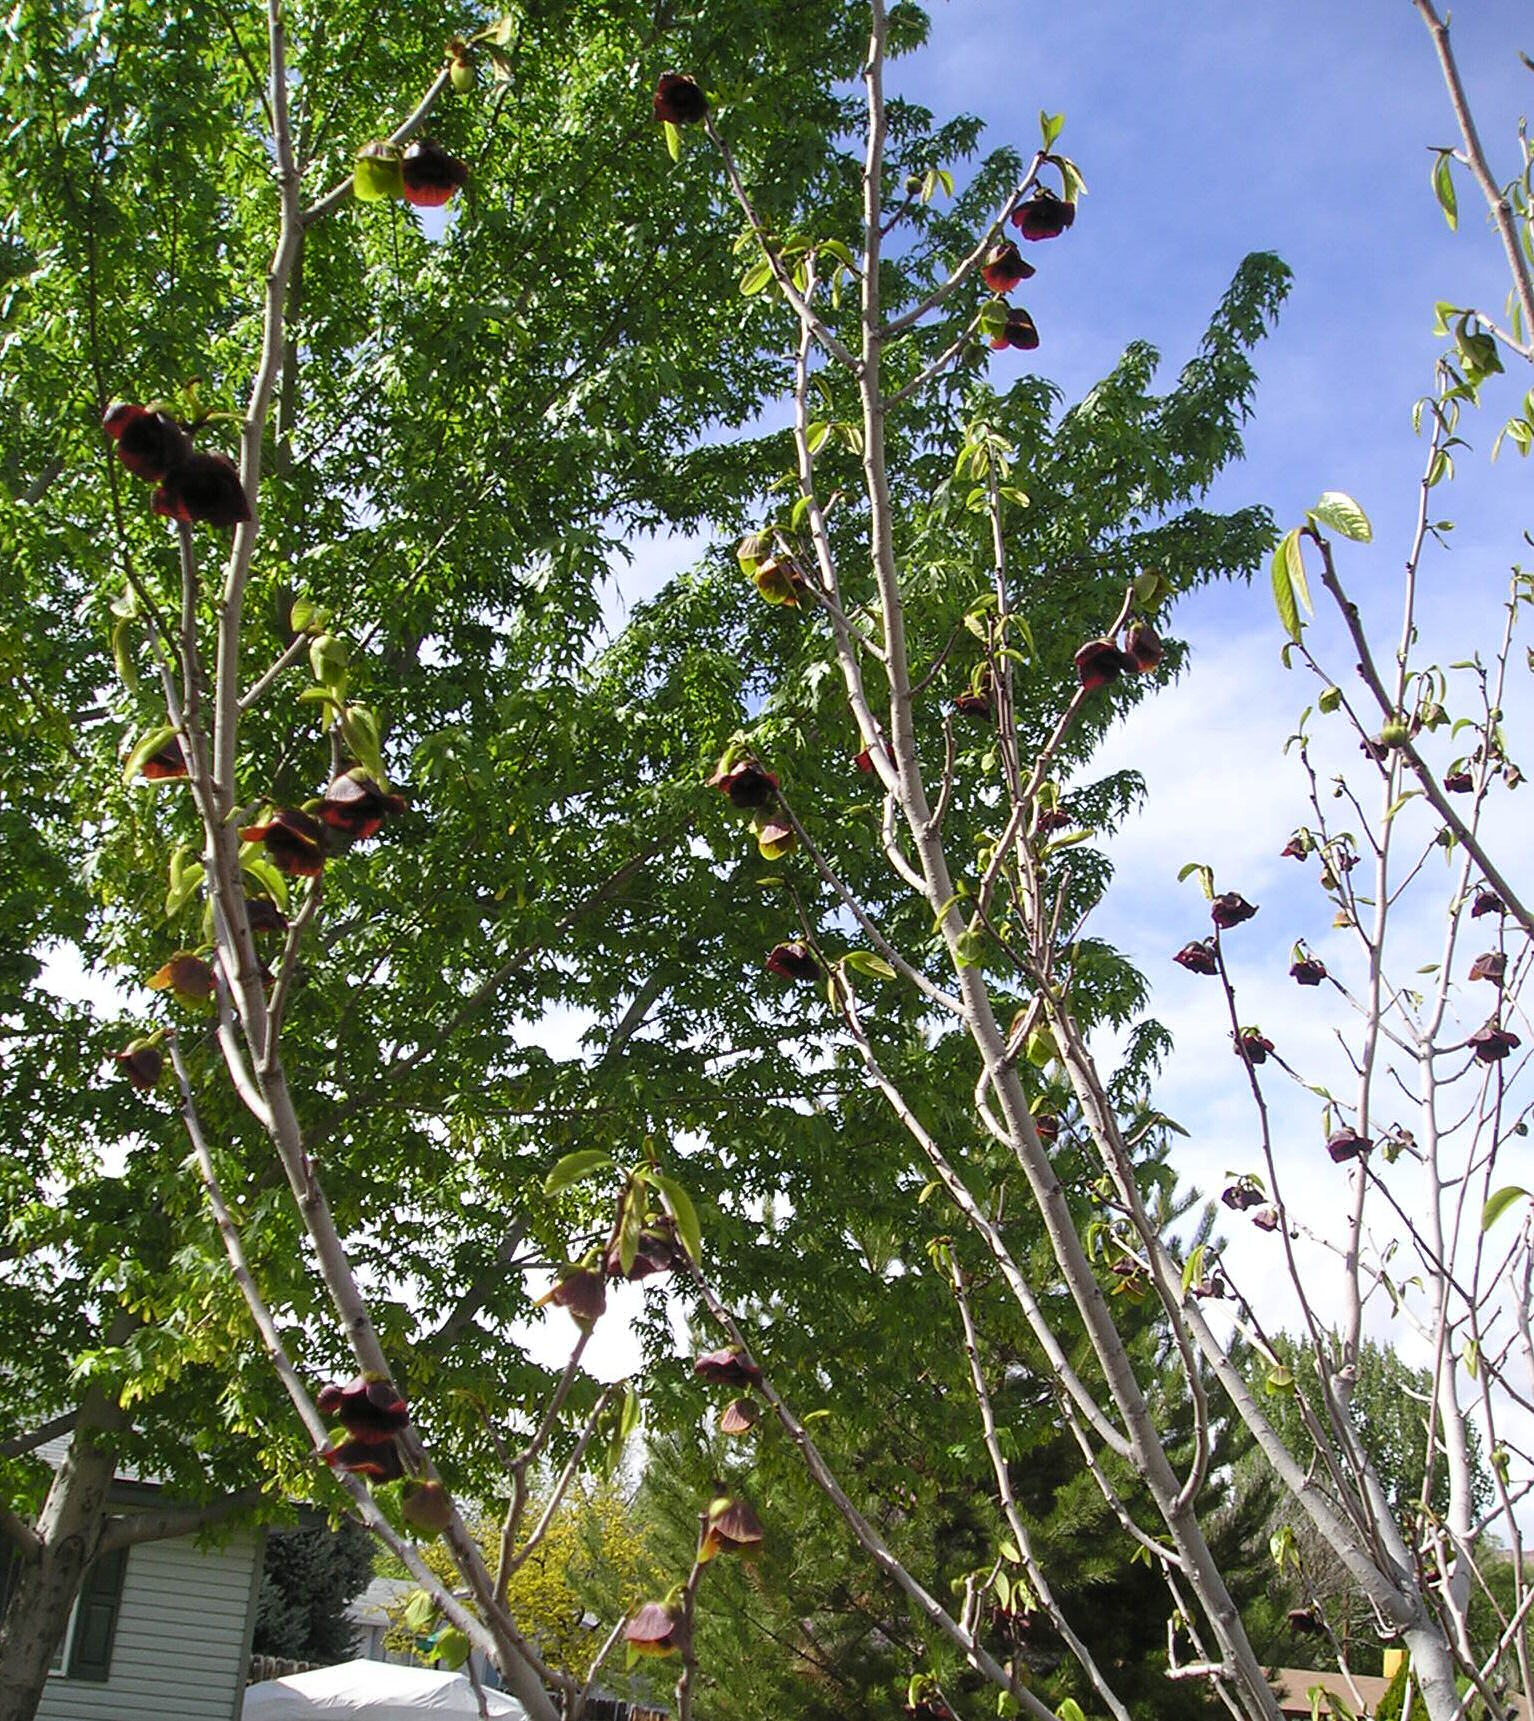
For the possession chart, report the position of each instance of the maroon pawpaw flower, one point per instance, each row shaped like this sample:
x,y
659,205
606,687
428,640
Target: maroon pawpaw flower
x,y
748,786
678,100
657,1628
1049,819
1266,1218
1020,331
1486,902
1198,957
1459,782
794,961
379,1461
1046,1126
732,1527
1255,1046
1043,216
169,762
580,1289
864,761
1297,848
739,1416
186,977
1241,1195
431,175
142,1062
294,842
1100,661
356,805
149,444
1491,1044
727,1367
264,915
1143,647
1004,267
1230,910
1345,1144
1307,971
973,704
655,1252
1490,965
369,1409
204,489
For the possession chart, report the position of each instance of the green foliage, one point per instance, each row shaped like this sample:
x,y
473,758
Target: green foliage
x,y
308,1576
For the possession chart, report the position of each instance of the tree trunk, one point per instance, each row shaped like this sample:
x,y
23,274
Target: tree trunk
x,y
69,1529
46,1586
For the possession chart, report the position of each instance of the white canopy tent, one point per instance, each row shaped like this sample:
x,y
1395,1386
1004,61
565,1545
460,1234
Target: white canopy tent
x,y
373,1691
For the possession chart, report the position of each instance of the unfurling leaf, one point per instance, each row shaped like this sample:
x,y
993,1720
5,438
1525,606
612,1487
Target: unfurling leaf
x,y
1339,511
679,1202
1443,188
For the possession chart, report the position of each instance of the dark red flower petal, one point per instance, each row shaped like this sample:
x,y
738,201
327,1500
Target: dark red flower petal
x,y
1230,909
356,805
794,961
1307,971
294,842
142,1063
1346,1144
431,175
727,1367
1004,267
205,488
1490,965
747,785
1043,216
1198,957
1100,661
678,100
149,444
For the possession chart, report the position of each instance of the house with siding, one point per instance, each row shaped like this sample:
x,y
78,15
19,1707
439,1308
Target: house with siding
x,y
161,1630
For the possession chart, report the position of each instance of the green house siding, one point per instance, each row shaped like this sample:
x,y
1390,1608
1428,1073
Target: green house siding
x,y
175,1647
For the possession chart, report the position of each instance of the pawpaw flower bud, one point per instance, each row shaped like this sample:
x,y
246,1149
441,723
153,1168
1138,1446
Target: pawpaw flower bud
x,y
1486,902
1241,1195
1459,782
732,1527
149,444
1046,1126
1019,331
739,1416
1266,1218
748,786
142,1062
775,836
356,805
1306,1621
678,100
780,580
186,977
657,1628
1004,267
864,761
1254,1046
1198,957
369,1409
376,174
1230,909
727,1367
973,704
1100,661
794,961
294,842
1049,819
427,1506
583,1291
379,1461
1490,965
1043,216
1297,848
430,174
1143,647
204,489
264,915
169,762
1345,1144
460,66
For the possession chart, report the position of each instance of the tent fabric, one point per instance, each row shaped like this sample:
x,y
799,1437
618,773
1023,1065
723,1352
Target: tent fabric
x,y
372,1691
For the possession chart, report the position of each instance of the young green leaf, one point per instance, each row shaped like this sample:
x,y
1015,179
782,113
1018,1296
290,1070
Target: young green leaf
x,y
1498,1203
679,1204
1339,511
1443,188
673,140
576,1167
